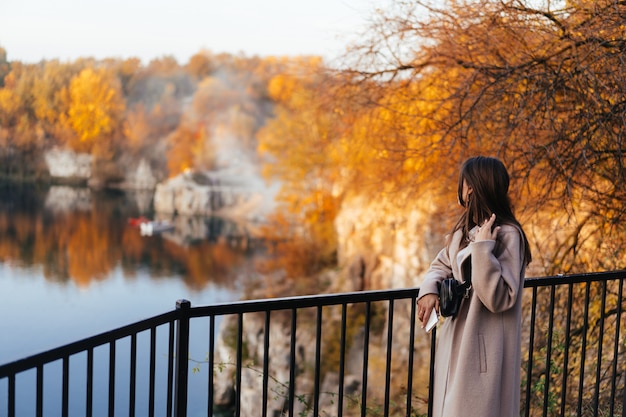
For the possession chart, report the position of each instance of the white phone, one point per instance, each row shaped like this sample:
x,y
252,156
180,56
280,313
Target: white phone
x,y
432,321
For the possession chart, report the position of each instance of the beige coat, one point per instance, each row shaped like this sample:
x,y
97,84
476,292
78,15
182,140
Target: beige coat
x,y
478,357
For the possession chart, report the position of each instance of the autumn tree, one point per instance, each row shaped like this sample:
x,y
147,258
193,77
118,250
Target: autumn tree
x,y
20,132
155,97
10,104
535,83
95,109
51,99
303,147
538,84
224,114
200,65
10,118
137,129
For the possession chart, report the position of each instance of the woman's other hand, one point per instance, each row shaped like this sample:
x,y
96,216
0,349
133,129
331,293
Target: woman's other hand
x,y
425,306
484,231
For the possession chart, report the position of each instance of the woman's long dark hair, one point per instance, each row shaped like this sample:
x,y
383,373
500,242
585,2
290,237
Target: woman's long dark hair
x,y
489,181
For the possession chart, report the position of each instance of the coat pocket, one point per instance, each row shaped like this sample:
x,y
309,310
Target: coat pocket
x,y
482,354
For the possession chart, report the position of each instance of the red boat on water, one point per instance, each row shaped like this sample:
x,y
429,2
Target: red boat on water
x,y
137,221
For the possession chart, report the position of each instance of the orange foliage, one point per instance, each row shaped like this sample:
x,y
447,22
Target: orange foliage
x,y
95,107
303,145
200,65
186,144
137,128
9,107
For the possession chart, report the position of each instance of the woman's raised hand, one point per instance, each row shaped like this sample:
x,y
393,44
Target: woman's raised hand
x,y
484,231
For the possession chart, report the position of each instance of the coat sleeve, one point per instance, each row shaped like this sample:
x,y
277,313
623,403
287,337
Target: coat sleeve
x,y
497,274
439,270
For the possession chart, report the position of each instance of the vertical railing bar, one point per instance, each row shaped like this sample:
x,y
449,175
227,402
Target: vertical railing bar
x,y
238,365
596,399
133,375
616,345
546,385
11,399
318,361
171,357
292,363
568,328
112,378
388,361
366,348
431,370
266,362
39,390
583,349
89,399
182,359
531,343
66,387
409,383
211,359
619,309
151,388
342,359
624,396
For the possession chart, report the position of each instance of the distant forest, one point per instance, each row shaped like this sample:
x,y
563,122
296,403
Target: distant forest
x,y
120,110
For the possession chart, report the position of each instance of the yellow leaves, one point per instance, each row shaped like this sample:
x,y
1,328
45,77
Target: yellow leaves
x,y
50,92
9,107
188,149
95,106
281,88
304,147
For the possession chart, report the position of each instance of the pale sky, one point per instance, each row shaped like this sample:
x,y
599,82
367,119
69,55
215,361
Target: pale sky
x,y
32,30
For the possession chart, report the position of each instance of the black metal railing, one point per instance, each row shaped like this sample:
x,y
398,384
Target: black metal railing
x,y
338,354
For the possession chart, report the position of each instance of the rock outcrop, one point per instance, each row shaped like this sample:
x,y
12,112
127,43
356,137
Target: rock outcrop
x,y
65,163
213,193
69,166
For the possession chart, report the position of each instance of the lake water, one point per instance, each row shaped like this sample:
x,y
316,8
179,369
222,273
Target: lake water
x,y
71,266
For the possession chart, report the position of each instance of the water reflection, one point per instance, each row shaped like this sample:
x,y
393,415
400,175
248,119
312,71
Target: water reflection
x,y
81,235
71,266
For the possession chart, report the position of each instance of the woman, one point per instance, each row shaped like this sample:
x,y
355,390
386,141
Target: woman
x,y
478,359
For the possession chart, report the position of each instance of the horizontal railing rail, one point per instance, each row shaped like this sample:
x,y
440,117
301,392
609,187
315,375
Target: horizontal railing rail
x,y
61,352
574,278
358,353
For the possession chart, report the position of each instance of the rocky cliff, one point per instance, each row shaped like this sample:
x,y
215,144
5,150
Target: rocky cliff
x,y
390,239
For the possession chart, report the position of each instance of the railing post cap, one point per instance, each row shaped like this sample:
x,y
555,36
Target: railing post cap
x,y
183,304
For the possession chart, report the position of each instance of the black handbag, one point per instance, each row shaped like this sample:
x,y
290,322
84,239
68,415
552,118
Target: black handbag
x,y
451,293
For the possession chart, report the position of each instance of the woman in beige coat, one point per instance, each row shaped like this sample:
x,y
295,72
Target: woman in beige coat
x,y
478,358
